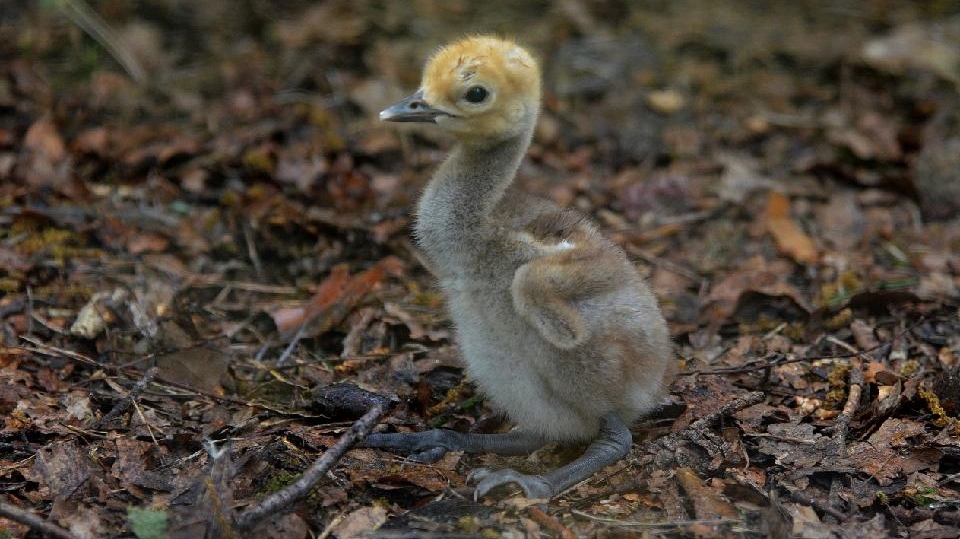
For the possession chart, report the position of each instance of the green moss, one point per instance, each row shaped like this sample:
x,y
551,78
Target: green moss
x,y
9,285
258,160
147,523
926,496
278,481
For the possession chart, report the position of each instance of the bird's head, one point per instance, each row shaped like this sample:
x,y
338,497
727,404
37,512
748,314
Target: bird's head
x,y
479,89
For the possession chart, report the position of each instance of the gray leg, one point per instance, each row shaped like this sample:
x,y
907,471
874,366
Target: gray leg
x,y
429,446
612,444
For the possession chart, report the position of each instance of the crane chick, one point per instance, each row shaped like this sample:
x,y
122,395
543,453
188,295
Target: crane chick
x,y
555,325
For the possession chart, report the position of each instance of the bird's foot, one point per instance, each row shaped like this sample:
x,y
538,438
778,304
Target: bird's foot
x,y
428,446
533,486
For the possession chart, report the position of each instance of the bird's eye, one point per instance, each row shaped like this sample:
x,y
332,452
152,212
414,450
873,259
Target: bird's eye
x,y
476,94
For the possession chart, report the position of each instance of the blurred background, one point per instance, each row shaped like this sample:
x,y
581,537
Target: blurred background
x,y
176,177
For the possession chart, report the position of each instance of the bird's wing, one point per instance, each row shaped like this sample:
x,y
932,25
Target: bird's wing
x,y
538,296
550,290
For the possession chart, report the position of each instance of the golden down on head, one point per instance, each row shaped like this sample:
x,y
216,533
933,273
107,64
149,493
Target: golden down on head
x,y
498,63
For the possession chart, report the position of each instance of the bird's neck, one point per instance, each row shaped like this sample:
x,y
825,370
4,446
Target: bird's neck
x,y
455,211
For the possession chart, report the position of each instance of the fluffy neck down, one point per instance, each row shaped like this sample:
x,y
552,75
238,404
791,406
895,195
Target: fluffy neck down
x,y
456,208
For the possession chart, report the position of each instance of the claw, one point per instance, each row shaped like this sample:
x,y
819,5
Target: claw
x,y
533,486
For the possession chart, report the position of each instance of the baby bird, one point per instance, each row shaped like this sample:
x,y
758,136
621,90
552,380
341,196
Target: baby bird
x,y
555,325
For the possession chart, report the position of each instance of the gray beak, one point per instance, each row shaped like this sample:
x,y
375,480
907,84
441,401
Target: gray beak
x,y
411,109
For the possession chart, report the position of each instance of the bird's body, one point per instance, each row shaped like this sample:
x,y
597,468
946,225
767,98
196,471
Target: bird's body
x,y
556,326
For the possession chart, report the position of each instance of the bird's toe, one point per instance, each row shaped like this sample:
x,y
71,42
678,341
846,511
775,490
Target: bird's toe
x,y
533,486
427,446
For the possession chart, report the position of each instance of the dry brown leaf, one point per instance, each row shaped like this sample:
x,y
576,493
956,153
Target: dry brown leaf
x,y
200,366
891,452
44,138
708,503
62,467
789,238
147,242
361,522
754,275
335,297
282,526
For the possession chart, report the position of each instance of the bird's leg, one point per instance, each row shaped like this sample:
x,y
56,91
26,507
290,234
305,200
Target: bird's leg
x,y
611,445
429,446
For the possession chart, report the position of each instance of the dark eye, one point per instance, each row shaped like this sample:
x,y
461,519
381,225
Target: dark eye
x,y
476,94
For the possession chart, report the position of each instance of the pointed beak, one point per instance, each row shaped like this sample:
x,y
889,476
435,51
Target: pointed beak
x,y
412,109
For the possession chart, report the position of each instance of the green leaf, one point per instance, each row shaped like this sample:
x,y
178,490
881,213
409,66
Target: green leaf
x,y
147,523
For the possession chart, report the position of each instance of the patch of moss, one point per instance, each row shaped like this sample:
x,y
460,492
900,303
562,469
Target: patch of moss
x,y
278,481
841,290
909,367
942,418
258,160
61,244
66,291
926,496
469,524
839,320
9,285
837,378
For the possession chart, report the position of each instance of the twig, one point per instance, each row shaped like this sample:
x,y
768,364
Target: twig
x,y
134,392
694,429
354,338
550,523
419,534
35,522
91,23
764,364
656,525
839,440
145,423
286,498
333,524
800,496
252,249
294,341
46,349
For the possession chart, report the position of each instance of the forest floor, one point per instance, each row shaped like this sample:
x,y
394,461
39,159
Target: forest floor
x,y
206,271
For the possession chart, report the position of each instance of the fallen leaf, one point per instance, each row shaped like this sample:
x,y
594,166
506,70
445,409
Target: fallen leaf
x,y
789,238
44,138
891,452
62,467
282,526
147,242
201,366
708,504
361,522
335,298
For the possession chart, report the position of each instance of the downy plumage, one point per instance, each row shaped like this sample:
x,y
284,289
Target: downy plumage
x,y
556,326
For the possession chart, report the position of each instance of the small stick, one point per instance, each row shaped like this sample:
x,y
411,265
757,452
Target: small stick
x,y
842,428
134,392
656,525
761,364
704,422
550,523
252,249
35,522
90,22
287,497
800,496
292,345
47,350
